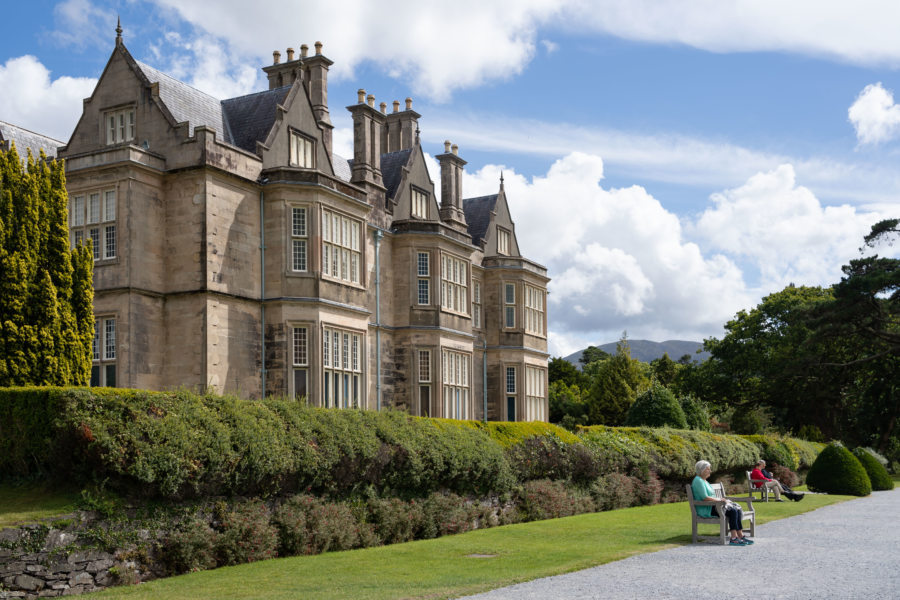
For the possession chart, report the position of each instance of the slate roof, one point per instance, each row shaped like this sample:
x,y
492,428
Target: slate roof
x,y
25,139
392,165
187,103
341,167
250,118
478,215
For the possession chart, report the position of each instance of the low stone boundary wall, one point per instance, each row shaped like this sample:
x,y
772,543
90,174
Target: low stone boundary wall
x,y
37,561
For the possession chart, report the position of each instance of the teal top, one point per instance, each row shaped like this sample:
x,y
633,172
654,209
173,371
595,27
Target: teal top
x,y
702,490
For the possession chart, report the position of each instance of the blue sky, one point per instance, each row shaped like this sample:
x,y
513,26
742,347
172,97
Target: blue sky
x,y
670,162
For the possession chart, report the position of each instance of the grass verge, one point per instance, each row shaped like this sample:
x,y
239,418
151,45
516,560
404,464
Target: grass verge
x,y
29,502
457,565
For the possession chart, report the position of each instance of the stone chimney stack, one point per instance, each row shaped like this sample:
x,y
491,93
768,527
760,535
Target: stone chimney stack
x,y
451,186
400,128
368,123
317,69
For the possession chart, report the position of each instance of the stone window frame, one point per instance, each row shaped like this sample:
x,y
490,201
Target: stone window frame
x,y
423,278
535,393
299,353
535,310
504,239
97,225
424,378
508,304
104,351
456,382
418,202
334,251
298,238
455,273
301,149
119,125
343,382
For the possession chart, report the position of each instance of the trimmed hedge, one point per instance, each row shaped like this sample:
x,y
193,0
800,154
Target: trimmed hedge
x,y
878,475
656,407
671,453
837,471
179,444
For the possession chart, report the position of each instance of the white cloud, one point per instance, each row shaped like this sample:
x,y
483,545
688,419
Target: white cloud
x,y
861,33
783,230
45,106
438,46
874,115
80,23
618,259
669,158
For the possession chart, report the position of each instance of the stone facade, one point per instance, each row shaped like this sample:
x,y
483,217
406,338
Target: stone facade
x,y
235,251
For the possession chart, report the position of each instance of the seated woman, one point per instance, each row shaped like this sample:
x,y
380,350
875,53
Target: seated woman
x,y
733,514
757,475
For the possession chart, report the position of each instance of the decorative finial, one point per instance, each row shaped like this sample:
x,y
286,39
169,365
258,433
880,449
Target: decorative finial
x,y
417,133
501,180
118,31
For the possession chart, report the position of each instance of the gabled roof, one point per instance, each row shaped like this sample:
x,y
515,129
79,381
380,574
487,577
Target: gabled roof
x,y
25,140
392,165
478,215
187,103
250,118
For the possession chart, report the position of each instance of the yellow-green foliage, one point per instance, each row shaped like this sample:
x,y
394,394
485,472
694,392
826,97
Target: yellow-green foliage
x,y
508,434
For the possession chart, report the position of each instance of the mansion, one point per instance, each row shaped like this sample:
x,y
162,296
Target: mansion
x,y
233,250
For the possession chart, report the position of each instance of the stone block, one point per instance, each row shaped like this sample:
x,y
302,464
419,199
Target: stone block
x,y
15,567
99,565
28,583
81,579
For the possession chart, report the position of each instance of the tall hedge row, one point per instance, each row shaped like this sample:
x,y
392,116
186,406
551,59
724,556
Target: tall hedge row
x,y
179,444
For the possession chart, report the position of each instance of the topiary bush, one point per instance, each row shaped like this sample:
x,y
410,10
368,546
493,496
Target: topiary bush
x,y
878,475
837,471
656,407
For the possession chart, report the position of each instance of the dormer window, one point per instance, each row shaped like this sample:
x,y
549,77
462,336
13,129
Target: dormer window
x,y
302,154
119,126
502,241
419,203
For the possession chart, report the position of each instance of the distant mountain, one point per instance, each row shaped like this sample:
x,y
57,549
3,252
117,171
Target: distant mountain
x,y
645,350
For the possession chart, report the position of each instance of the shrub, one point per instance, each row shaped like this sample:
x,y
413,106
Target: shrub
x,y
545,499
395,521
785,475
878,475
811,433
837,471
550,458
446,514
656,407
695,413
246,535
774,450
190,547
614,491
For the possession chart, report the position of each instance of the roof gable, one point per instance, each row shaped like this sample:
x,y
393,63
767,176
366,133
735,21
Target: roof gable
x,y
27,140
479,212
187,104
250,118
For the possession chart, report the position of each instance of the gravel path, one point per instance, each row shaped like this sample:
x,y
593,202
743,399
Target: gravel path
x,y
843,551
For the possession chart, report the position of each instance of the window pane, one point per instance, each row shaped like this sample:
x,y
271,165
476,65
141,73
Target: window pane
x,y
94,208
298,221
109,205
109,339
95,242
110,376
299,255
109,250
300,384
78,211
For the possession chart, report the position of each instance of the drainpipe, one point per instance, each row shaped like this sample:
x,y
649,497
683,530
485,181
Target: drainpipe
x,y
262,287
378,236
484,376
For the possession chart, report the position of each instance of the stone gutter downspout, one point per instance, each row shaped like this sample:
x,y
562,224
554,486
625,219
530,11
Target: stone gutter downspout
x,y
378,235
262,288
484,376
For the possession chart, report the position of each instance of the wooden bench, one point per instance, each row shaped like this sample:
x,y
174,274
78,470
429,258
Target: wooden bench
x,y
696,519
751,487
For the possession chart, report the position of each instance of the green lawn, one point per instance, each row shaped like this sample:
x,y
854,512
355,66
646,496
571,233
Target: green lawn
x,y
30,502
456,565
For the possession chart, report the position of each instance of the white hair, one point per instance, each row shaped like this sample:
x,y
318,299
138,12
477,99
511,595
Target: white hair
x,y
702,464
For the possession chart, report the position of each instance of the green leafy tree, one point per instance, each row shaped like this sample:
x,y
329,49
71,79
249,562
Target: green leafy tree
x,y
559,369
46,295
656,407
592,354
695,413
567,404
665,369
615,383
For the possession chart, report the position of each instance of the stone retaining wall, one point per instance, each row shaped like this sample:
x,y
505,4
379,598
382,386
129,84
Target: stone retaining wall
x,y
41,562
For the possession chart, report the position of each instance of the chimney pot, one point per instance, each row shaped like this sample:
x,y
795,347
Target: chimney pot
x,y
318,48
361,96
396,106
383,107
409,104
455,150
290,53
371,100
277,56
446,146
304,50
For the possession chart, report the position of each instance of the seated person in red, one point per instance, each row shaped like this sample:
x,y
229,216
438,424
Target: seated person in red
x,y
795,496
757,475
